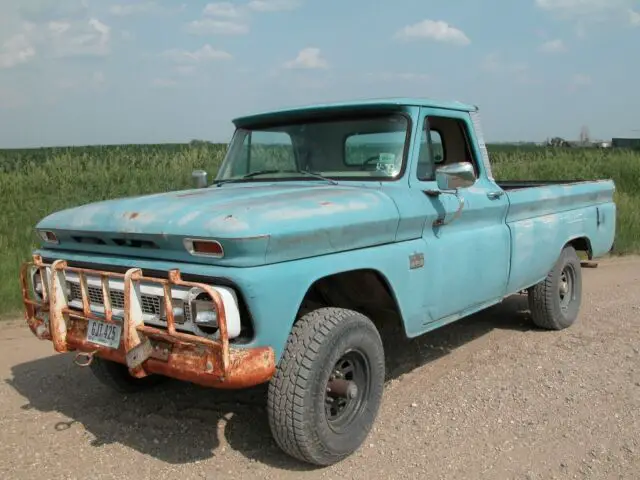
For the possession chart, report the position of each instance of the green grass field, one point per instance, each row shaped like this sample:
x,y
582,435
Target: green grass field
x,y
36,182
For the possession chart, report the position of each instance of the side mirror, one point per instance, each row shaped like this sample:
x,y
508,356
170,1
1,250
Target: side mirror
x,y
454,176
199,178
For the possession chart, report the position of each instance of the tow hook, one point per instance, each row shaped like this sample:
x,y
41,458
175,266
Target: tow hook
x,y
88,356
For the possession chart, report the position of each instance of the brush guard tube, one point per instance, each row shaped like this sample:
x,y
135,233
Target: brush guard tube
x,y
144,349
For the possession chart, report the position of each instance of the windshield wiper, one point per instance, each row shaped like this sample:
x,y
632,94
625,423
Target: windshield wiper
x,y
313,174
268,172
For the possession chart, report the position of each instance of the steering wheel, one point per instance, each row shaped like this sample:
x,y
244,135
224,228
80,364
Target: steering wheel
x,y
369,160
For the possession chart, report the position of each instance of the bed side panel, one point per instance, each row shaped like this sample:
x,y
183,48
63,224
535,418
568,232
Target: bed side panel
x,y
542,220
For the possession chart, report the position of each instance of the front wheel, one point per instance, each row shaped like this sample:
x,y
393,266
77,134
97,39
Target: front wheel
x,y
555,302
325,395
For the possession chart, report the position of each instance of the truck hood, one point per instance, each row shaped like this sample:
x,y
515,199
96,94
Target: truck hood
x,y
255,223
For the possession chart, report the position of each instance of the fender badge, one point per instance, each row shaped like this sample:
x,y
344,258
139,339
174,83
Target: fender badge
x,y
416,261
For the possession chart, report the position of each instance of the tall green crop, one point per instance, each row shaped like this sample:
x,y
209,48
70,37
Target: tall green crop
x,y
36,182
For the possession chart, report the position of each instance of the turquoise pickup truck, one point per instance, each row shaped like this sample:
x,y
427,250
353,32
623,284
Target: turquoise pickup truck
x,y
321,224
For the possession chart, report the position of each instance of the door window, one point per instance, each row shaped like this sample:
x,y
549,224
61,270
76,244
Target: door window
x,y
445,140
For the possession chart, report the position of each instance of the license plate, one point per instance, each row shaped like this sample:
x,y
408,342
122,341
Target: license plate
x,y
105,334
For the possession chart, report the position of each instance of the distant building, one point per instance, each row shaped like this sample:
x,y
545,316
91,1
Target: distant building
x,y
633,143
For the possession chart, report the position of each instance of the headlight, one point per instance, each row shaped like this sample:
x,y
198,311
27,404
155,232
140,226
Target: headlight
x,y
40,287
203,312
36,282
204,315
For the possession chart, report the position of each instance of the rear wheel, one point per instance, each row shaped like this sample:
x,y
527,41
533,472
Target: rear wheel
x,y
325,395
555,302
116,376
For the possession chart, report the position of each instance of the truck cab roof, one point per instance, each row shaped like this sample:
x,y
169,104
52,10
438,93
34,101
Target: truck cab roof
x,y
331,108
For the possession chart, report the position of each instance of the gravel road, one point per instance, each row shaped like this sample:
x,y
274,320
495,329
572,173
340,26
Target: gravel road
x,y
487,397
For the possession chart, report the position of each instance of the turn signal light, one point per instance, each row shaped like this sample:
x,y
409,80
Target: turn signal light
x,y
48,236
207,248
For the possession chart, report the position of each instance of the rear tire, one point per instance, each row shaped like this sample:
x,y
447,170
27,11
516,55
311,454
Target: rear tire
x,y
555,302
116,376
308,421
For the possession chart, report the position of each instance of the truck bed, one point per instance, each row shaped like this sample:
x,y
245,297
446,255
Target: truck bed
x,y
544,215
520,184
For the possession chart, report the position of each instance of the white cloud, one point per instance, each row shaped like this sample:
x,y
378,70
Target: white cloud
x,y
209,26
438,31
553,46
16,50
580,7
308,58
227,18
145,7
273,5
79,38
221,9
55,38
203,54
634,18
123,10
58,28
587,12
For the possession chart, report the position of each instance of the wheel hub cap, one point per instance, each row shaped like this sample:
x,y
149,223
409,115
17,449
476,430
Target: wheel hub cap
x,y
565,288
346,390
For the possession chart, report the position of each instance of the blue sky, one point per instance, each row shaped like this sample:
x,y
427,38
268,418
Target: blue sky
x,y
89,71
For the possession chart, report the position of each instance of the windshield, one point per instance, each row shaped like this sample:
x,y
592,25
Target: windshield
x,y
369,148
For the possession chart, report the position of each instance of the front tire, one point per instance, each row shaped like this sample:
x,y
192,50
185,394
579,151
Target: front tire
x,y
327,390
555,302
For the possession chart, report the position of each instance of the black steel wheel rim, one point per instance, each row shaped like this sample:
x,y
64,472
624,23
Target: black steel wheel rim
x,y
566,286
341,412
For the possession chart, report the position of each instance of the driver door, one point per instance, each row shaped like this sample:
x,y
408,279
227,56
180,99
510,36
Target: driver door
x,y
466,261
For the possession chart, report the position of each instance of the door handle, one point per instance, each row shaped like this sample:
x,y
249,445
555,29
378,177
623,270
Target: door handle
x,y
494,195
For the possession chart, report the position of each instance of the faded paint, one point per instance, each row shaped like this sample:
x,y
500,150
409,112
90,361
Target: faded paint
x,y
189,217
282,236
226,224
329,208
234,214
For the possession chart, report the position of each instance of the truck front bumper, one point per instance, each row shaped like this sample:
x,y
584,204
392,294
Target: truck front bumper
x,y
144,349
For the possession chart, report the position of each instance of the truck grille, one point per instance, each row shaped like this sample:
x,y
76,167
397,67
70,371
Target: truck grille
x,y
151,304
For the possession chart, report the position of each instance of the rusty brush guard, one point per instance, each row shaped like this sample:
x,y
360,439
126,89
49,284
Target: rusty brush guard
x,y
144,349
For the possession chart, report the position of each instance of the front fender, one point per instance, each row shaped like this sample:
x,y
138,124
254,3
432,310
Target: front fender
x,y
274,293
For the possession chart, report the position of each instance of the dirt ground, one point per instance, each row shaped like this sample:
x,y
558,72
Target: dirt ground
x,y
487,397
